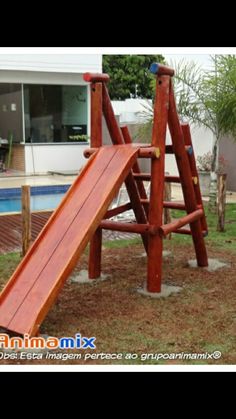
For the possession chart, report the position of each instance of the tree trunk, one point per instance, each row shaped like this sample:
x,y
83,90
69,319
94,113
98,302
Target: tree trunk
x,y
213,184
221,202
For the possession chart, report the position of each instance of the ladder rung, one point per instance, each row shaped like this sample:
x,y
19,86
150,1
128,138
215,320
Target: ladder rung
x,y
128,227
188,232
177,224
167,204
147,176
142,176
174,205
118,210
188,148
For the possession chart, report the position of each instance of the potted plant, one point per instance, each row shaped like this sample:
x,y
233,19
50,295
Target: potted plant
x,y
204,171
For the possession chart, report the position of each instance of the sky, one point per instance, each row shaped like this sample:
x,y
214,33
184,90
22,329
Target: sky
x,y
203,60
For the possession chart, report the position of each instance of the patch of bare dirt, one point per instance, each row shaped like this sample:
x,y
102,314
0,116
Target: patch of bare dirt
x,y
201,318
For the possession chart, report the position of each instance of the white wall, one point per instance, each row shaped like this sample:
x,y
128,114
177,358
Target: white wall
x,y
45,158
202,143
62,63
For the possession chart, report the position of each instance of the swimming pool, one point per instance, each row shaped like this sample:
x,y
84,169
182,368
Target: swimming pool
x,y
42,198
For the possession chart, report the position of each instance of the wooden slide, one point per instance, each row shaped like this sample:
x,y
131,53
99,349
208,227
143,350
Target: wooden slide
x,y
34,286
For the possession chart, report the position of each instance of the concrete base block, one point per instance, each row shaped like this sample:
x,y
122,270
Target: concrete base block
x,y
166,291
165,254
82,278
214,265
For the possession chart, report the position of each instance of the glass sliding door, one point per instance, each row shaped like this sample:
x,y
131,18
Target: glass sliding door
x,y
55,114
11,112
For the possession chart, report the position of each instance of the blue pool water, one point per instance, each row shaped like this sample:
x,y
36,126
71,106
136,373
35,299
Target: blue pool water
x,y
42,198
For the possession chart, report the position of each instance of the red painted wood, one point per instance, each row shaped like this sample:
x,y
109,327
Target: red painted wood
x,y
118,210
96,77
96,114
117,138
147,176
95,253
188,141
174,205
186,179
166,229
170,150
188,232
112,125
148,153
155,244
89,151
35,284
136,168
163,70
126,227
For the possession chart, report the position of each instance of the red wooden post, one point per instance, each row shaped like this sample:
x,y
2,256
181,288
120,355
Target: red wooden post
x,y
155,244
193,166
136,168
117,138
95,250
110,118
186,180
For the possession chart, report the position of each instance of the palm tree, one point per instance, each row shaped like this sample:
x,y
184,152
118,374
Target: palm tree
x,y
208,98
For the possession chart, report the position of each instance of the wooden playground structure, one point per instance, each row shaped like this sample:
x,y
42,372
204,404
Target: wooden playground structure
x,y
84,211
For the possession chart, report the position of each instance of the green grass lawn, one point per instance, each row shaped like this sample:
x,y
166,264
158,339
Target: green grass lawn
x,y
225,240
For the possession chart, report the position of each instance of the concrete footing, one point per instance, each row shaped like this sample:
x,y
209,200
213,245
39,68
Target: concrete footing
x,y
213,265
83,278
166,291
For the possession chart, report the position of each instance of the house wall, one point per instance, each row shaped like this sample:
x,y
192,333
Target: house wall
x,y
57,69
18,158
45,158
54,63
227,149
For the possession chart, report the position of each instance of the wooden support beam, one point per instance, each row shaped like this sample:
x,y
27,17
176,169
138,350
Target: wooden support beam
x,y
96,77
172,179
89,151
95,253
170,150
186,179
147,176
26,218
112,125
155,243
145,153
117,138
161,70
129,227
94,266
149,153
136,168
167,204
188,232
166,229
188,141
174,205
119,210
167,197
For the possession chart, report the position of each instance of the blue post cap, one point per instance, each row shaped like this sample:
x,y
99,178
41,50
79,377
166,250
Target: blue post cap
x,y
190,150
154,68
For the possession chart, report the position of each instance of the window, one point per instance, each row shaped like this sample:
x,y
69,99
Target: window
x,y
55,114
11,112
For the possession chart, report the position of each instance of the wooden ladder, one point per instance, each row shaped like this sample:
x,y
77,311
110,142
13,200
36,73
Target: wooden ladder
x,y
149,212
